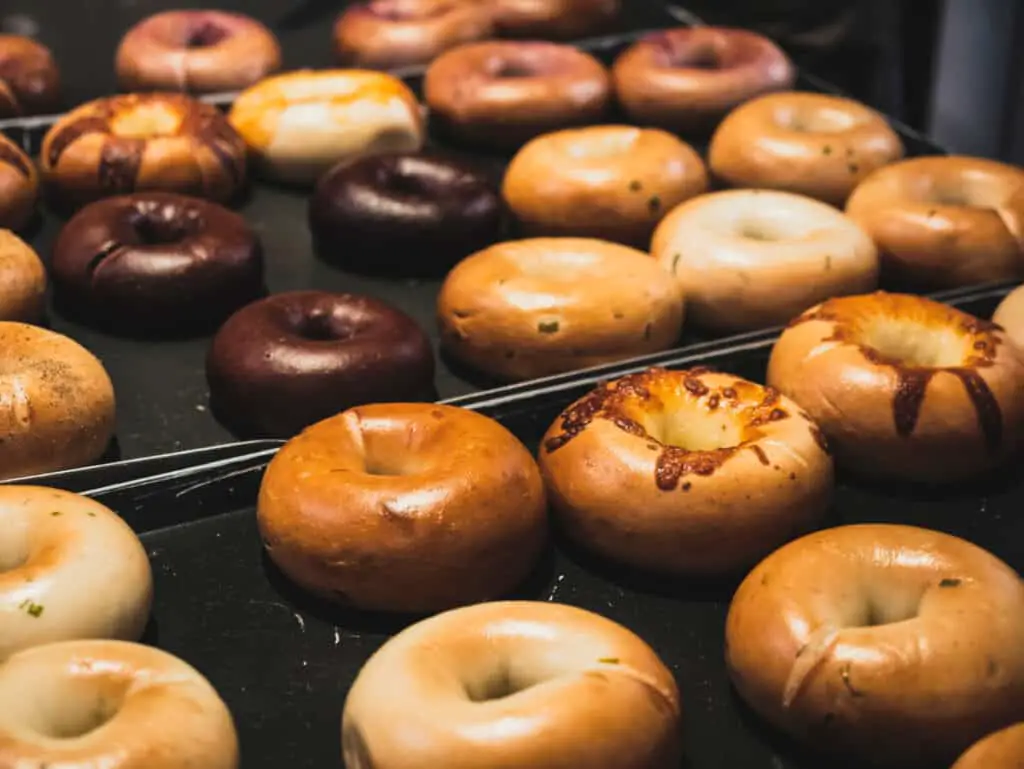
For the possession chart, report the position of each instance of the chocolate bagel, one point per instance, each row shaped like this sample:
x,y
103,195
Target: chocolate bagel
x,y
156,261
411,214
287,361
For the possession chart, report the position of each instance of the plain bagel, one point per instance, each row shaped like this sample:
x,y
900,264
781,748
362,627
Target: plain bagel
x,y
748,259
69,568
943,222
530,308
580,690
1002,750
890,645
22,280
814,144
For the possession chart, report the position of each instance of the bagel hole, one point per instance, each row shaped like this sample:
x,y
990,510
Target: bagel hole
x,y
817,120
79,714
757,231
205,34
395,10
512,69
500,684
403,183
889,608
915,344
321,327
699,432
12,558
152,229
145,120
706,58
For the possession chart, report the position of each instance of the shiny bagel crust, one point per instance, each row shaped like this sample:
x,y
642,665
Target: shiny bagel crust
x,y
1009,315
609,182
944,222
386,34
1002,750
299,124
22,280
888,645
904,387
19,186
554,19
556,671
29,78
813,144
749,259
530,308
404,508
622,483
689,78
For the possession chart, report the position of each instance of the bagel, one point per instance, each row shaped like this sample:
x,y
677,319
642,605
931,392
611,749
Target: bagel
x,y
809,143
685,471
404,508
530,308
19,185
111,703
747,259
889,645
513,684
70,568
299,124
29,78
904,387
22,280
608,182
1001,750
554,19
944,222
1009,315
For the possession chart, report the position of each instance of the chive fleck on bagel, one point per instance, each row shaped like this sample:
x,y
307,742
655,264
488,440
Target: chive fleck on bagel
x,y
890,645
516,684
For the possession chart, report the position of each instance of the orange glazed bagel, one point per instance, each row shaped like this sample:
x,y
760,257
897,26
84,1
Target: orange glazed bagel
x,y
19,185
609,182
56,402
685,471
110,703
1010,315
529,308
22,280
943,222
748,259
515,684
904,387
889,645
813,144
1002,750
405,508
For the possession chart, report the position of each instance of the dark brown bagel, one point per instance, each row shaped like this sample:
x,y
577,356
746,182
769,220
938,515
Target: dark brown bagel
x,y
29,78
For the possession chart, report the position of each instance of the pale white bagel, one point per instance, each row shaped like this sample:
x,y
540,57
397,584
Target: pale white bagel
x,y
750,259
1010,315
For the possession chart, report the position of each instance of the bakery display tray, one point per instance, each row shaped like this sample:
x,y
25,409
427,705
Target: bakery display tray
x,y
283,662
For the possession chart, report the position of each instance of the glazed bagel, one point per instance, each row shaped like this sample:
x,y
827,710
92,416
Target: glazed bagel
x,y
299,124
689,78
1010,315
888,645
609,182
19,186
904,387
69,568
748,259
657,470
142,142
554,19
404,508
1002,750
196,51
385,34
22,280
502,94
529,308
90,703
29,78
581,690
813,144
943,222
56,403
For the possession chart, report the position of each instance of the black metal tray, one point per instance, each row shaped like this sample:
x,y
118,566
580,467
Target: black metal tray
x,y
284,662
161,385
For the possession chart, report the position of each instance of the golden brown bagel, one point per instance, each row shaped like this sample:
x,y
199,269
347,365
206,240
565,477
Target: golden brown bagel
x,y
580,690
554,19
889,645
809,143
69,568
136,142
385,34
299,124
609,182
748,259
19,185
56,402
685,471
29,78
1002,750
404,507
22,280
904,387
501,94
943,222
110,703
689,78
530,308
1010,315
